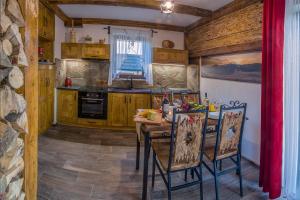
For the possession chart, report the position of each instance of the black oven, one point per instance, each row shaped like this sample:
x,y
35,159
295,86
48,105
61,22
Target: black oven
x,y
92,105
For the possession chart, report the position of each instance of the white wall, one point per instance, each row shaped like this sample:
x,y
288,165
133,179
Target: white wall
x,y
60,32
223,91
98,32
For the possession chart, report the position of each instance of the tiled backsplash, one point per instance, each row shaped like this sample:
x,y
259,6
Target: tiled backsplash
x,y
95,73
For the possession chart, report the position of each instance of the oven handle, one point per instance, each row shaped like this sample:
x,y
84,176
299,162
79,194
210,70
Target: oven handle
x,y
92,99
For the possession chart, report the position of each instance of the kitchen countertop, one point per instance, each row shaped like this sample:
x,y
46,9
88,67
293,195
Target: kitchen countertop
x,y
124,90
68,88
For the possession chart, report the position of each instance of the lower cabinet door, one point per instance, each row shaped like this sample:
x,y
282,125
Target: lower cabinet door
x,y
117,114
136,101
67,106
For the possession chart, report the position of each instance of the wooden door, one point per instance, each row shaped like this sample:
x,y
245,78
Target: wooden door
x,y
41,22
50,25
67,106
117,112
134,102
71,50
97,51
170,56
50,96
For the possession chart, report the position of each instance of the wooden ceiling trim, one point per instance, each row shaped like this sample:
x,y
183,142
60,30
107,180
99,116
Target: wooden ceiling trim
x,y
238,48
148,4
227,9
117,22
58,12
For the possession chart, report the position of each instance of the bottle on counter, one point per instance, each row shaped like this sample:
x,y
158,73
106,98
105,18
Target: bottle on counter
x,y
165,106
205,100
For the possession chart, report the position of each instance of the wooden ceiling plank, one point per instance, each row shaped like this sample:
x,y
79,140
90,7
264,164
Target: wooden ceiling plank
x,y
229,8
117,22
148,4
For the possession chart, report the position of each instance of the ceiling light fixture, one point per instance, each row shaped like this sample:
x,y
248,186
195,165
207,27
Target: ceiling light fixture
x,y
167,6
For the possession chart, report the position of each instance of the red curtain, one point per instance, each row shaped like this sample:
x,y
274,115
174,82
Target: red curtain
x,y
272,97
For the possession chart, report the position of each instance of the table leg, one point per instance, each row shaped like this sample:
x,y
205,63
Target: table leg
x,y
146,159
138,148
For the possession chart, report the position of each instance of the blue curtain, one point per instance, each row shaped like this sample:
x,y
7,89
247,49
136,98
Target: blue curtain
x,y
131,51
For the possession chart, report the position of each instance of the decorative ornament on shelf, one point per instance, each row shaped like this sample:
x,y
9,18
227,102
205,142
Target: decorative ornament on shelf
x,y
72,34
168,44
167,6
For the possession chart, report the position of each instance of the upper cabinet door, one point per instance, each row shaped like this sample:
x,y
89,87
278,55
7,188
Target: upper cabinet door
x,y
71,50
41,18
96,51
170,56
46,23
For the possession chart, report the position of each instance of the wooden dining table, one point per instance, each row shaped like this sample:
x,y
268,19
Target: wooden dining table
x,y
146,127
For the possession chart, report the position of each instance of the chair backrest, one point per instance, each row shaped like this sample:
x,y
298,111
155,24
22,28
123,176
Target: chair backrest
x,y
156,101
187,137
230,129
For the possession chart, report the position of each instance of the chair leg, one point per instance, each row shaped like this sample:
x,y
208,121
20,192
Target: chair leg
x,y
153,168
220,165
216,180
240,176
192,173
201,183
169,186
138,147
185,175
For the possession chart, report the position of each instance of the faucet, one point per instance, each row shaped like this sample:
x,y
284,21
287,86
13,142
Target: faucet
x,y
131,83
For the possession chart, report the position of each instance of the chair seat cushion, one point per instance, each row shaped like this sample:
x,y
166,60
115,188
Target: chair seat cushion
x,y
162,151
154,134
210,150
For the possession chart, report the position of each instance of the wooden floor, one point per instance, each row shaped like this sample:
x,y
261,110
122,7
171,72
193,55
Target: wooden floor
x,y
89,164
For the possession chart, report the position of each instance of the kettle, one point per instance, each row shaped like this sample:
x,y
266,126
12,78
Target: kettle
x,y
68,82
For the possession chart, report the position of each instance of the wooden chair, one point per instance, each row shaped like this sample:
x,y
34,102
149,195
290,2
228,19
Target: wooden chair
x,y
183,150
228,142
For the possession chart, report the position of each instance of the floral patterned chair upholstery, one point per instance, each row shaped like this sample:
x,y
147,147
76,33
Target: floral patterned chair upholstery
x,y
184,149
228,141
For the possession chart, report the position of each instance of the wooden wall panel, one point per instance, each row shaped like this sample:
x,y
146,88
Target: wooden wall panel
x,y
237,31
30,36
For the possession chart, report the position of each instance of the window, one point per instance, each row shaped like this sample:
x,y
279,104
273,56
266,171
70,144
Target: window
x,y
131,55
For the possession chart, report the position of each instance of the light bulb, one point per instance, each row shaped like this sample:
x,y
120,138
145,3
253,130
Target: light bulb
x,y
167,6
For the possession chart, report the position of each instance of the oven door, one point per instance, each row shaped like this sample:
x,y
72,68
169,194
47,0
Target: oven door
x,y
91,107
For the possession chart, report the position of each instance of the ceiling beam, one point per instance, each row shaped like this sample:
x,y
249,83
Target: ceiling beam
x,y
118,22
57,11
148,4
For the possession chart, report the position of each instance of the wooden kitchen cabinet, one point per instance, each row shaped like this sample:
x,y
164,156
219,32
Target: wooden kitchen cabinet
x,y
71,50
170,56
95,51
136,101
117,111
67,106
89,51
46,23
46,97
122,107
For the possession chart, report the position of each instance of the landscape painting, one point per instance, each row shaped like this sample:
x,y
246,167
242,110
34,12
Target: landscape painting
x,y
244,67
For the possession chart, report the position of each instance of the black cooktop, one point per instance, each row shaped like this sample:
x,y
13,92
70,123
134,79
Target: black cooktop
x,y
92,89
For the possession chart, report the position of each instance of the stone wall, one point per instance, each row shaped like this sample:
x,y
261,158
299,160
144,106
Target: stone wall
x,y
95,73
